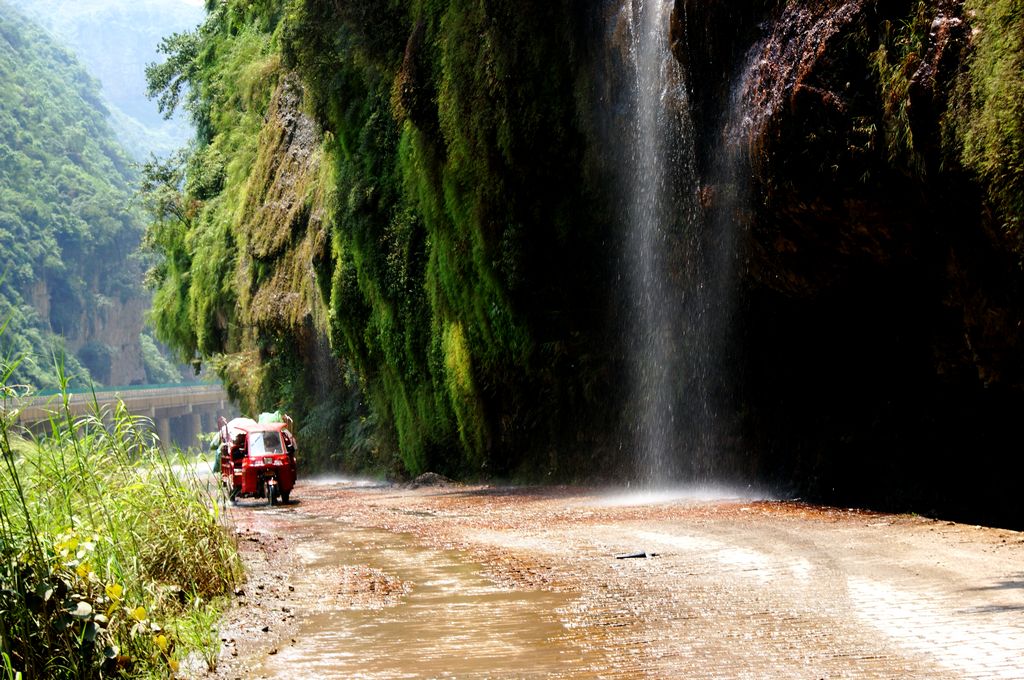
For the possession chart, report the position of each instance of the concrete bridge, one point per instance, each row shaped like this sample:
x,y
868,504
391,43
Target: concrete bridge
x,y
180,413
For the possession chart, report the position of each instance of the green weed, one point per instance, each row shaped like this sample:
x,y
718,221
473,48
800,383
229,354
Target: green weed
x,y
110,549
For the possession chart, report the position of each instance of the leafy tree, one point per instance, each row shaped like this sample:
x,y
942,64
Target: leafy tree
x,y
68,227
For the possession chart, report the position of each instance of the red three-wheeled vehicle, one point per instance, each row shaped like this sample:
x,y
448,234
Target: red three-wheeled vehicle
x,y
257,459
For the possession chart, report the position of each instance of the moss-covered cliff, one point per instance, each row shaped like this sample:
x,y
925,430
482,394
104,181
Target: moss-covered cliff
x,y
399,218
405,180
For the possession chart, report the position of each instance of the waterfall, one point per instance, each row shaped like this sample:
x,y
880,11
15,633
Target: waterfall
x,y
677,264
659,170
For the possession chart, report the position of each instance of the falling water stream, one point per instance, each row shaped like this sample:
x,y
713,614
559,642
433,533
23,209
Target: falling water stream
x,y
659,168
678,262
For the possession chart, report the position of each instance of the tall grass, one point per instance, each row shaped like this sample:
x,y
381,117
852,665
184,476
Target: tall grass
x,y
112,553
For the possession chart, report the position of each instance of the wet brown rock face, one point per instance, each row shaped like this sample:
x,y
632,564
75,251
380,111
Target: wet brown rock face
x,y
810,130
881,309
710,37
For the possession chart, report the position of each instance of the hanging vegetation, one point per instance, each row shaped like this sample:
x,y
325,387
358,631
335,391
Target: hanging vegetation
x,y
403,179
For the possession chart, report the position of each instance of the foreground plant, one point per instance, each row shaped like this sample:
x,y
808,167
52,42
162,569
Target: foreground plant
x,y
112,553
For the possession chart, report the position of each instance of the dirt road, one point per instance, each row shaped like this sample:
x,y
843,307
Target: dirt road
x,y
362,581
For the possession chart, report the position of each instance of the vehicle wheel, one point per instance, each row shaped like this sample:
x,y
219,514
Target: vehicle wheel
x,y
233,494
284,497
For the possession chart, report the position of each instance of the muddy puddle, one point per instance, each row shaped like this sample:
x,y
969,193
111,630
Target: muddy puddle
x,y
386,607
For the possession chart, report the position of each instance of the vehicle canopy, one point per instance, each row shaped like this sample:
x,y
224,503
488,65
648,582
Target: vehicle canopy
x,y
237,426
263,438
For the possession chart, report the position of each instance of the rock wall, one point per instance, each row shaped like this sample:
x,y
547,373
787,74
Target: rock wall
x,y
420,196
103,335
882,318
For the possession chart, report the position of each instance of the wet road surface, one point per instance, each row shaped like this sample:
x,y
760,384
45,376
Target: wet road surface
x,y
482,582
431,614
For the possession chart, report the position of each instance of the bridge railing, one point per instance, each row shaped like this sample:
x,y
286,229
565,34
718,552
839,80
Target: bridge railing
x,y
178,412
197,388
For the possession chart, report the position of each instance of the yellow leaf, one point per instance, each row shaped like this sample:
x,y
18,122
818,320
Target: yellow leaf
x,y
114,591
173,663
139,614
161,642
67,545
83,569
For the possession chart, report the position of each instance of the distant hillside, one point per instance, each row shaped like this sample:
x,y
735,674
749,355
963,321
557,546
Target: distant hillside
x,y
115,40
68,228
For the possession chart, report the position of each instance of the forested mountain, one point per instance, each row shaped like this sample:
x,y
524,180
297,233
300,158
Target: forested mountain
x,y
68,227
406,218
115,40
